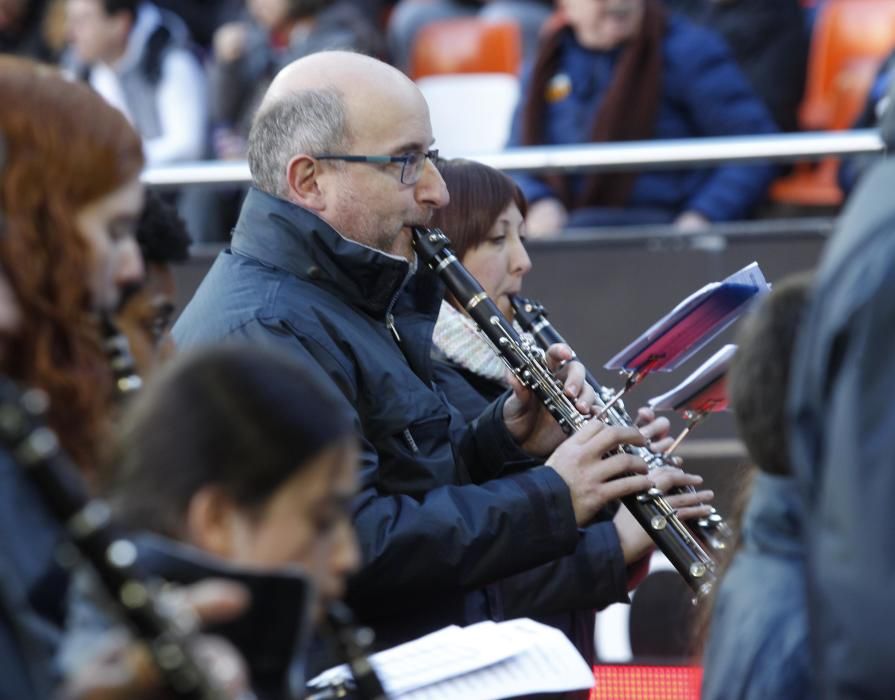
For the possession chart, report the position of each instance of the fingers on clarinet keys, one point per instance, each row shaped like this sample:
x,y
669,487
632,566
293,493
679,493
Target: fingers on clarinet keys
x,y
596,472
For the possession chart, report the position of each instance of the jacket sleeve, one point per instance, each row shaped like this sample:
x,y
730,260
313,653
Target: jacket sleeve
x,y
453,537
593,576
720,102
487,448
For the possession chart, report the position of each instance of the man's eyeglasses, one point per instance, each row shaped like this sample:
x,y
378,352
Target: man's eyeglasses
x,y
412,164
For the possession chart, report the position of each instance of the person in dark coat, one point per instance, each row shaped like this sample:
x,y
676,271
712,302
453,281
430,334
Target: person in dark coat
x,y
249,51
624,70
322,265
841,421
485,221
757,645
769,40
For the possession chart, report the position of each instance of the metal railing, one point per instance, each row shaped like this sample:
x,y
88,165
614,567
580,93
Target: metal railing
x,y
633,155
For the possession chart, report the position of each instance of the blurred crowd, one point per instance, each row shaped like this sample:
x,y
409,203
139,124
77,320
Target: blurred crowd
x,y
189,76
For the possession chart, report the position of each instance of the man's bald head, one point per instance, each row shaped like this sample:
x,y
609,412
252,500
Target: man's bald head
x,y
313,105
354,75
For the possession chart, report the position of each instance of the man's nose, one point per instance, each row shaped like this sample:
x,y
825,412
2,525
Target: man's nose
x,y
431,189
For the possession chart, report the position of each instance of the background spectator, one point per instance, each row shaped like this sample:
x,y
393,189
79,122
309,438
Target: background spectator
x,y
137,57
876,107
248,53
769,40
623,70
22,29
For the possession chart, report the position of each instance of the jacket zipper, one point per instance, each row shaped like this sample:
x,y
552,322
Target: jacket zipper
x,y
389,316
390,324
411,443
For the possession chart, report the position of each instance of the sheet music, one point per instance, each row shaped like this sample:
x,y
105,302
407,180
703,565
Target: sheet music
x,y
709,372
486,661
693,323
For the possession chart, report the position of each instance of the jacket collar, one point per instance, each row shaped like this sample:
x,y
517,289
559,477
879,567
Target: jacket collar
x,y
283,235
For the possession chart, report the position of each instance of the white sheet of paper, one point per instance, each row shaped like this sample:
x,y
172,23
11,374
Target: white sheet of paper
x,y
485,661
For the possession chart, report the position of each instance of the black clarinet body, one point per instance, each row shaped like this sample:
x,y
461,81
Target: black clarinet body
x,y
532,317
88,525
528,365
351,643
118,350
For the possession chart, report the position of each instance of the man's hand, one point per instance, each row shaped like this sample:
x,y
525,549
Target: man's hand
x,y
123,669
530,424
593,470
635,543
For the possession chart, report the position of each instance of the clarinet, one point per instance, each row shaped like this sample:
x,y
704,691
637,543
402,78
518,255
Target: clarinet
x,y
118,350
351,643
527,363
532,317
87,523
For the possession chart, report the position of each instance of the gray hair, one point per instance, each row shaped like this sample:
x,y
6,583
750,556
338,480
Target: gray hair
x,y
304,121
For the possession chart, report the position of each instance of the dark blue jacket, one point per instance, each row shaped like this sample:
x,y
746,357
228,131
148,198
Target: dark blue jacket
x,y
842,422
704,93
29,635
435,528
541,593
758,641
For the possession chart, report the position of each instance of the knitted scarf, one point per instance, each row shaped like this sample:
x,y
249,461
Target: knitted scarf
x,y
458,340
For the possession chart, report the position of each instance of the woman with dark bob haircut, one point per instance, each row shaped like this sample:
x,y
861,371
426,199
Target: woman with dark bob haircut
x,y
243,453
239,462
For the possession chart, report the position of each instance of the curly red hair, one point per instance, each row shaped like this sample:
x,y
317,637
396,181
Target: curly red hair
x,y
65,148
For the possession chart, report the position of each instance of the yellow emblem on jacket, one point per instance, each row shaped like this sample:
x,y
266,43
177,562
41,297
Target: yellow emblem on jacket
x,y
559,88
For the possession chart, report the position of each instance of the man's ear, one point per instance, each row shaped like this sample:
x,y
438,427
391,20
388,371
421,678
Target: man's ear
x,y
302,177
211,521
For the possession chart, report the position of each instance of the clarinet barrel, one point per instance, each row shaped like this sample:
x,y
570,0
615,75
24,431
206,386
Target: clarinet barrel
x,y
527,363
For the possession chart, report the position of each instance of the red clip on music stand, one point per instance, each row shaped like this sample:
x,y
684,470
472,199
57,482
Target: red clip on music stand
x,y
702,393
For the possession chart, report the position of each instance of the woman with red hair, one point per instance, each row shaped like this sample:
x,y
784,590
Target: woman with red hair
x,y
70,196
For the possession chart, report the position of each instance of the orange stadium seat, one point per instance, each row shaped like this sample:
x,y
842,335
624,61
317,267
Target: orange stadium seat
x,y
850,39
466,45
468,71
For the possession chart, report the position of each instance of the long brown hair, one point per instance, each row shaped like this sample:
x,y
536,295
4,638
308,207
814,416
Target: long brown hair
x,y
65,148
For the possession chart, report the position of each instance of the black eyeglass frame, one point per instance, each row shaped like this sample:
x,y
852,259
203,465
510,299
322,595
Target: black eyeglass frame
x,y
404,160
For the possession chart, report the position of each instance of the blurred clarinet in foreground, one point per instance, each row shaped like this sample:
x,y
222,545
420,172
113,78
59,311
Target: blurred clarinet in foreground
x,y
118,350
527,363
351,643
87,523
532,317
